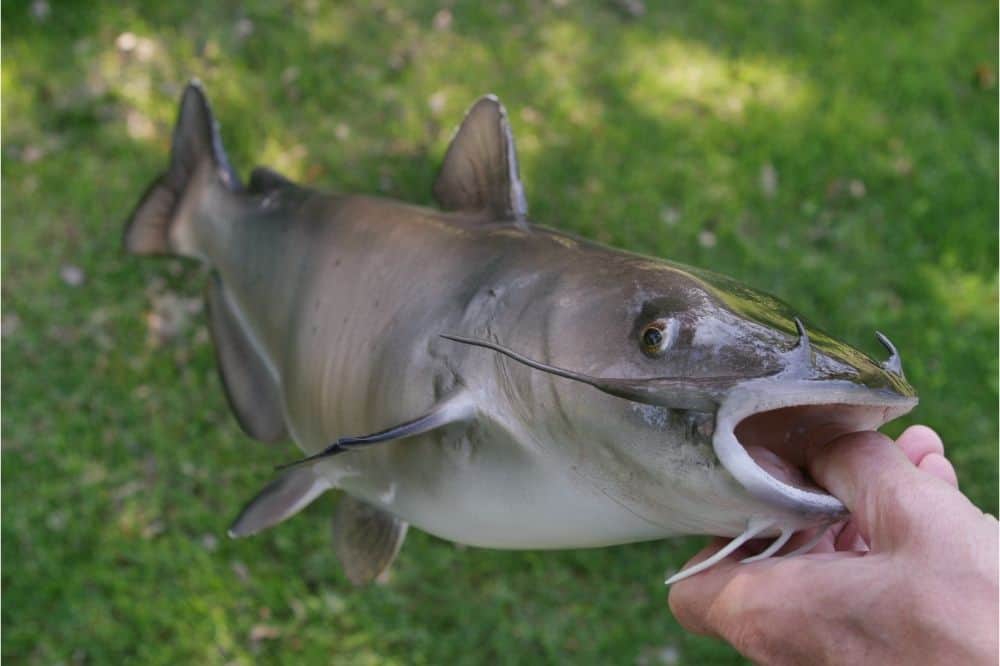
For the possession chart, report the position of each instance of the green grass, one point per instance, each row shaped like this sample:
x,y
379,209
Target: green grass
x,y
840,155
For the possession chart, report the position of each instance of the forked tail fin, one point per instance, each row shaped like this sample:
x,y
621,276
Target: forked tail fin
x,y
158,225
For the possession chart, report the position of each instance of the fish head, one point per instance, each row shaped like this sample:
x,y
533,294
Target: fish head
x,y
708,395
758,381
813,389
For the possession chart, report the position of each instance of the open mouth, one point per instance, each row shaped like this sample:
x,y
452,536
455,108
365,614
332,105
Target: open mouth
x,y
764,428
777,439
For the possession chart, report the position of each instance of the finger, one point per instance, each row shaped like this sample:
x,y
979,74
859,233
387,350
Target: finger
x,y
872,478
919,441
939,467
690,600
737,602
709,580
925,449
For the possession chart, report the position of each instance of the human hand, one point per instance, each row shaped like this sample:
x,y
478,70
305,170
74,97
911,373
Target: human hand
x,y
911,578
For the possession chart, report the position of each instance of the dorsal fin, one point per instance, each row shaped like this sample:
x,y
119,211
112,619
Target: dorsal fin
x,y
480,170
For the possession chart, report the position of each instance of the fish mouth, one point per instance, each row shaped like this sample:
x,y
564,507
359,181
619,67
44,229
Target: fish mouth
x,y
764,427
762,430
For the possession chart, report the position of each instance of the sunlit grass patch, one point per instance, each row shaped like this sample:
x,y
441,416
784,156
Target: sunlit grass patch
x,y
681,77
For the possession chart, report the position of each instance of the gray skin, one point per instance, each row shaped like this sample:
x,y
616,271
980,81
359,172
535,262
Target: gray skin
x,y
346,299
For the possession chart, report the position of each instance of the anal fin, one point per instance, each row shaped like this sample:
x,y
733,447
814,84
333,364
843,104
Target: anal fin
x,y
250,386
366,539
282,498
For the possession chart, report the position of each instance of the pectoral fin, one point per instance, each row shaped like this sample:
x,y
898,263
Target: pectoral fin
x,y
366,539
454,409
280,499
250,385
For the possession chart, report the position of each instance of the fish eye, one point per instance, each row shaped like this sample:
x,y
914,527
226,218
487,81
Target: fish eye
x,y
657,336
652,337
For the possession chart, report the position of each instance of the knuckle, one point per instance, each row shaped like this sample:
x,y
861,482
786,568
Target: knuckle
x,y
868,444
743,614
764,624
688,608
680,607
890,500
899,503
893,493
751,640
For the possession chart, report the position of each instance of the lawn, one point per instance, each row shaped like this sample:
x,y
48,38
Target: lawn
x,y
840,155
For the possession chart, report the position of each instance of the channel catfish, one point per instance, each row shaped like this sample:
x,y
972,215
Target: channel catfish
x,y
494,382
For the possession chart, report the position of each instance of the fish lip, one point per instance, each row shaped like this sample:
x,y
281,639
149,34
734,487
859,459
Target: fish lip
x,y
755,396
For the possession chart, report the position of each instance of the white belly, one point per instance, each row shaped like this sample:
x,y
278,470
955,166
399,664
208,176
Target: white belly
x,y
488,494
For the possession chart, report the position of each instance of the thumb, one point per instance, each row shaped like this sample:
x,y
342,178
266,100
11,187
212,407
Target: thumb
x,y
875,480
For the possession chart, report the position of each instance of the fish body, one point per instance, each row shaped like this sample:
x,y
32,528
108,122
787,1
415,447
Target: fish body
x,y
432,364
